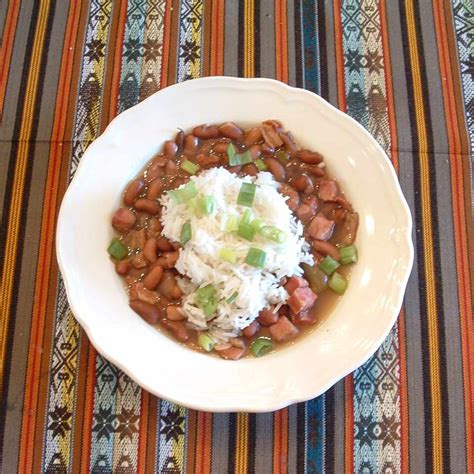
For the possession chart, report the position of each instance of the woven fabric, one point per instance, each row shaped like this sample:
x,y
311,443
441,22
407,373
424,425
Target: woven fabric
x,y
402,68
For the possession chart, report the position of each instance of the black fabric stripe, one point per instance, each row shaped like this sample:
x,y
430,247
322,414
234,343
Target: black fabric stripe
x,y
298,55
329,431
256,26
26,194
232,442
426,379
241,44
436,250
252,427
300,437
323,60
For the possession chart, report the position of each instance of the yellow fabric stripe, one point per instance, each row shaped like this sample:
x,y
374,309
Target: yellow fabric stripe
x,y
249,39
19,180
242,443
428,243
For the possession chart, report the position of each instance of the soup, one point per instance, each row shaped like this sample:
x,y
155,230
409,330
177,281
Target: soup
x,y
235,241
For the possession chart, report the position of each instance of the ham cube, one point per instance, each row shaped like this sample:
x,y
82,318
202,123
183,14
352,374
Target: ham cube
x,y
123,220
295,282
303,319
328,190
301,299
321,228
232,353
283,330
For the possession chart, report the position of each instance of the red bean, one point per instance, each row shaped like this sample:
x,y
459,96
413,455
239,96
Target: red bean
x,y
290,145
255,151
207,160
147,205
221,147
123,220
310,157
174,313
251,330
315,171
168,259
154,228
139,292
153,278
171,168
303,184
154,189
149,251
230,130
267,149
253,136
276,169
139,261
179,139
133,190
232,353
147,311
238,342
178,328
154,171
190,144
176,293
122,267
250,169
326,248
164,244
206,131
276,124
170,148
271,136
234,169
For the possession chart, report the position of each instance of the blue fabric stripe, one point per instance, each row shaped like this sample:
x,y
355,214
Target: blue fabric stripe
x,y
315,440
311,47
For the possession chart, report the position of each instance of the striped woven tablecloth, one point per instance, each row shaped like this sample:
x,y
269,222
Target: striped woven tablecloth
x,y
402,68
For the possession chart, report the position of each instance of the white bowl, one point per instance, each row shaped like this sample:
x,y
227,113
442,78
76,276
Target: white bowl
x,y
345,340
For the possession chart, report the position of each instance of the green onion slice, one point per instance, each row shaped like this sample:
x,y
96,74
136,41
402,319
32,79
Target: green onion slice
x,y
231,154
260,164
232,297
329,265
261,346
206,205
206,342
186,234
256,257
282,156
206,299
247,216
246,231
237,159
273,233
337,283
228,255
348,254
246,194
189,167
117,249
231,223
184,194
257,224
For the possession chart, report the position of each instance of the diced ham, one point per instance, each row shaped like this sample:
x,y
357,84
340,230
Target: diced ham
x,y
250,330
326,248
139,292
328,189
267,317
123,220
304,318
294,198
301,299
232,353
136,239
271,137
321,228
295,282
308,209
283,330
147,311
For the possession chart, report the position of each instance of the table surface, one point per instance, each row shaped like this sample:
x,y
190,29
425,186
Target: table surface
x,y
402,68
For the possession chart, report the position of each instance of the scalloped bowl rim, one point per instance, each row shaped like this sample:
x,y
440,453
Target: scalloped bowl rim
x,y
196,397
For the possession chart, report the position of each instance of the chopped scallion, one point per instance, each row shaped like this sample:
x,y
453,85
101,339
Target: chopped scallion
x,y
282,156
348,254
261,346
206,205
231,154
246,231
186,234
246,194
237,159
245,157
206,342
247,216
206,299
228,255
117,249
232,297
257,224
273,233
260,164
329,265
231,223
189,167
184,194
256,257
337,283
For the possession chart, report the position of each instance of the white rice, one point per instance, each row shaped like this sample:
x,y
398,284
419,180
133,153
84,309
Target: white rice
x,y
199,261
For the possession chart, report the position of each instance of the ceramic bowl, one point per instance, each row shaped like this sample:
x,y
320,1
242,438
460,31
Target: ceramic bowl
x,y
342,342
